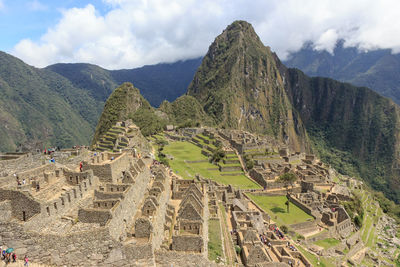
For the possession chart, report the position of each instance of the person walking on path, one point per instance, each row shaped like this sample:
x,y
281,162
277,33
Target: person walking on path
x,y
26,260
80,166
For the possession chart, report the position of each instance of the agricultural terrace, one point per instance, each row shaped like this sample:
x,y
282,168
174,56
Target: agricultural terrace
x,y
276,208
182,162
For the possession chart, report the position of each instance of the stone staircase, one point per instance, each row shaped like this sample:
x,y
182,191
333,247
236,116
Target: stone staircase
x,y
115,138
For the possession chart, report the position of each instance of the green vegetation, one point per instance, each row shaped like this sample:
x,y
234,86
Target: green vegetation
x,y
376,69
215,86
185,111
356,131
355,209
214,242
316,261
41,108
327,242
148,122
184,152
126,102
276,208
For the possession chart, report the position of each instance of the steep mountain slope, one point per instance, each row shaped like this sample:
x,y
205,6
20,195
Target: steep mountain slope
x,y
353,128
97,81
378,69
239,86
185,111
39,107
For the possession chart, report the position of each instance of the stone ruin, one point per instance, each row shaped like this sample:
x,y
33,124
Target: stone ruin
x,y
325,208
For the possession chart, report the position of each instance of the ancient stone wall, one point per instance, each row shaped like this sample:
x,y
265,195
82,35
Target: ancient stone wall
x,y
5,210
77,177
36,171
302,206
90,215
107,195
193,243
58,206
123,214
23,206
172,258
159,217
258,177
109,171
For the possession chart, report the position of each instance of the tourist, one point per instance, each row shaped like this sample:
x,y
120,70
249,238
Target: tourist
x,y
23,181
80,166
26,261
14,257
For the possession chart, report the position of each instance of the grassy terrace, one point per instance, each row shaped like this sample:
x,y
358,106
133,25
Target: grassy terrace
x,y
276,208
327,242
182,152
215,242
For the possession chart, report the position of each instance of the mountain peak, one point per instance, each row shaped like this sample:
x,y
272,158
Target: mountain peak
x,y
240,87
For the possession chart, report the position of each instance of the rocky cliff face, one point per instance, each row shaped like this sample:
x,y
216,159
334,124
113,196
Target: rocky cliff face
x,y
239,86
353,128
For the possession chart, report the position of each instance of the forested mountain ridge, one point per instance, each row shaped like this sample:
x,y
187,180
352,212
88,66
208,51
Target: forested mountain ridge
x,y
61,104
376,69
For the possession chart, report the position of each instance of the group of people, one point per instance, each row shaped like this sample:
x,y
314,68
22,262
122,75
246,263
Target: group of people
x,y
276,230
10,256
264,240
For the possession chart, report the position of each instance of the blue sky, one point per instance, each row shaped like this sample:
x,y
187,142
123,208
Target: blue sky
x,y
131,33
20,19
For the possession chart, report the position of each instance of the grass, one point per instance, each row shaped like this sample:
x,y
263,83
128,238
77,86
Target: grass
x,y
276,208
215,242
185,151
323,262
327,243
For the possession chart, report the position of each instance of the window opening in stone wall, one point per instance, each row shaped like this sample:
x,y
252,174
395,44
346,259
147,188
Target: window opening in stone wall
x,y
62,201
48,211
23,216
55,205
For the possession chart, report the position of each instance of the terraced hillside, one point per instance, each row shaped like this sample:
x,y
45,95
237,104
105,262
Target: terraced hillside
x,y
189,158
122,135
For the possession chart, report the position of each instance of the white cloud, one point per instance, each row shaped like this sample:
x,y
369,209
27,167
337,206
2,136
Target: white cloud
x,y
138,32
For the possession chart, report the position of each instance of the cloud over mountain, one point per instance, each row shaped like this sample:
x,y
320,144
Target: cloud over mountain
x,y
137,32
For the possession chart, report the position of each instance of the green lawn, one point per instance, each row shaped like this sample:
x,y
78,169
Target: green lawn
x,y
214,242
185,151
276,208
327,243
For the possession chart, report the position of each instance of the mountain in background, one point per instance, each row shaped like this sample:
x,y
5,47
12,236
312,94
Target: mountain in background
x,y
39,107
164,81
61,104
377,69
